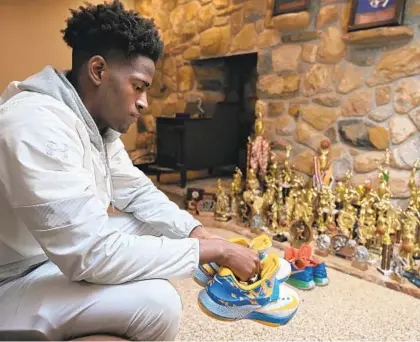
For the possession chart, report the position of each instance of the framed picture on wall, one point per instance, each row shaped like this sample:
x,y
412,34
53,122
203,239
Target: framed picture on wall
x,y
289,6
366,14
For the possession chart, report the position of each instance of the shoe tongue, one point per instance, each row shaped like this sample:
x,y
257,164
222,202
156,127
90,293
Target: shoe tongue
x,y
261,243
301,263
305,252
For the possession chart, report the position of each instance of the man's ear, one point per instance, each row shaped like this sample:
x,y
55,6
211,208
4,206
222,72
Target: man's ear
x,y
96,69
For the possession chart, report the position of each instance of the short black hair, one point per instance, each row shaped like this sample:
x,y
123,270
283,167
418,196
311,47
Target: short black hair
x,y
110,30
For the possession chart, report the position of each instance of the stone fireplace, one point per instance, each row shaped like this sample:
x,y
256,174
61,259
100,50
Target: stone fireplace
x,y
359,90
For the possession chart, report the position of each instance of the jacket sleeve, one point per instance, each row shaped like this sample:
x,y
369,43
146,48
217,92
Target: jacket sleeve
x,y
54,196
135,193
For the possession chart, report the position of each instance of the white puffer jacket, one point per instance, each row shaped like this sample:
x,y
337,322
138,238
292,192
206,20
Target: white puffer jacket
x,y
57,179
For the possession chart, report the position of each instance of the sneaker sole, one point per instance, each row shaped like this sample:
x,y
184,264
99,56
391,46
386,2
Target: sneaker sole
x,y
201,278
231,314
321,281
300,284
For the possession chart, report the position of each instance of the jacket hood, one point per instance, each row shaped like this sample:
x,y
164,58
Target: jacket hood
x,y
55,84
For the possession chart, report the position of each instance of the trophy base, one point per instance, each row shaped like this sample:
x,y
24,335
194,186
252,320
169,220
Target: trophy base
x,y
360,265
399,279
257,230
346,252
222,218
322,252
386,273
205,213
280,237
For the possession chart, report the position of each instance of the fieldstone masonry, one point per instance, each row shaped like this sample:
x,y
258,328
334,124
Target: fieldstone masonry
x,y
360,90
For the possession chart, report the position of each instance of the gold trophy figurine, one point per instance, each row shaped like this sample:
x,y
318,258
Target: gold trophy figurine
x,y
414,191
407,250
387,248
222,211
235,191
384,231
323,159
286,173
348,216
301,229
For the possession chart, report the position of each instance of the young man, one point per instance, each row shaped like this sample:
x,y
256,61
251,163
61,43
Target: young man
x,y
67,269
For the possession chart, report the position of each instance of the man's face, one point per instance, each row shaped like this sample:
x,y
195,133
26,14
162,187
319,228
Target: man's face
x,y
122,93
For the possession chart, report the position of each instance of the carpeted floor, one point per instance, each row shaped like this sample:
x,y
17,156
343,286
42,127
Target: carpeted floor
x,y
347,309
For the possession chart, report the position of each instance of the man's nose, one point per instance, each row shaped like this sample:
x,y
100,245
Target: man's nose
x,y
142,103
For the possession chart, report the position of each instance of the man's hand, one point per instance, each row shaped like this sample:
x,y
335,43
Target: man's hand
x,y
243,261
202,233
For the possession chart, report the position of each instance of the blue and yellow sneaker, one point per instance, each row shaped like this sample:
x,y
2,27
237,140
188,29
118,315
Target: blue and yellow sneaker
x,y
206,272
267,301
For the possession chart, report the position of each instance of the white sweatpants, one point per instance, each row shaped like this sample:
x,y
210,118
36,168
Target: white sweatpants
x,y
45,304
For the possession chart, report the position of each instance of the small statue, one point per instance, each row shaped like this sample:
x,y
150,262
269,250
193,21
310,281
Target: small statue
x,y
222,211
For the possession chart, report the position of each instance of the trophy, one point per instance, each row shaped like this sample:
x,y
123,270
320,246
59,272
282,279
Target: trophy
x,y
384,230
222,211
323,243
397,267
235,192
361,258
287,174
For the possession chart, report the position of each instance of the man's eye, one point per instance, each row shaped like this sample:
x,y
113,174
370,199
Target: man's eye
x,y
138,88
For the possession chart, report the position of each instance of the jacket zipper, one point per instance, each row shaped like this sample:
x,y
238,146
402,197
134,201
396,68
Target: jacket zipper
x,y
108,177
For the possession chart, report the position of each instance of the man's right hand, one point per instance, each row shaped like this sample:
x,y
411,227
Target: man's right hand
x,y
243,261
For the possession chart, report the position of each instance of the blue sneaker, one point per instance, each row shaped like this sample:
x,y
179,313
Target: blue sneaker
x,y
302,276
267,301
318,267
206,272
320,273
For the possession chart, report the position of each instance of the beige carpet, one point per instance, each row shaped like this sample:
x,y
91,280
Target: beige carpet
x,y
347,309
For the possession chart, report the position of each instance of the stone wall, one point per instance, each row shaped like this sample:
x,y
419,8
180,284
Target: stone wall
x,y
360,90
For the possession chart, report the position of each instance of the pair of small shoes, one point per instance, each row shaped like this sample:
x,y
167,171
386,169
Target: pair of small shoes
x,y
267,301
260,244
307,271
